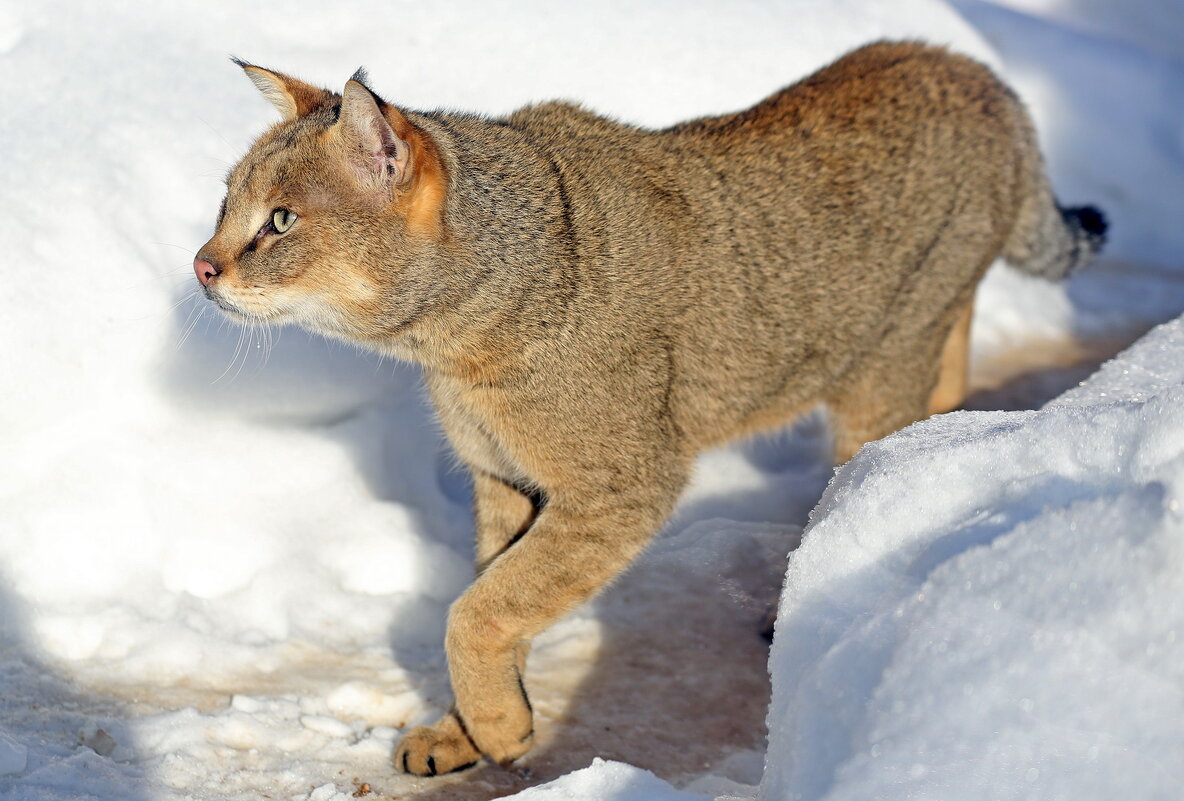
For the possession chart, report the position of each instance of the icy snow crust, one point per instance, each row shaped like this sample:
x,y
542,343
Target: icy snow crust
x,y
225,559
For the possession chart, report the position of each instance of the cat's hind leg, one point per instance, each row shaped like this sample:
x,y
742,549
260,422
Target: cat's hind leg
x,y
953,374
919,371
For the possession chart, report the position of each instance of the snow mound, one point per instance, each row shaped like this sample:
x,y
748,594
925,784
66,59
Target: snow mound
x,y
991,605
607,780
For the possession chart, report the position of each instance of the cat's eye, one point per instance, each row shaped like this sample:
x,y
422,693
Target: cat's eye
x,y
282,219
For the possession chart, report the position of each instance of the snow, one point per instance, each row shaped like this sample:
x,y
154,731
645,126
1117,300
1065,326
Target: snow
x,y
607,780
13,755
992,604
1100,64
226,558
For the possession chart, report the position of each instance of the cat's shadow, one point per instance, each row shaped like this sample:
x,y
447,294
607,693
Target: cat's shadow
x,y
375,408
289,378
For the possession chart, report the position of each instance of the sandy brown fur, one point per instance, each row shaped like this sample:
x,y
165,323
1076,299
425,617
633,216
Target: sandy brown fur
x,y
594,304
954,372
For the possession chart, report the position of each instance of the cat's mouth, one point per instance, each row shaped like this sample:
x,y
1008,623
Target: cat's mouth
x,y
243,308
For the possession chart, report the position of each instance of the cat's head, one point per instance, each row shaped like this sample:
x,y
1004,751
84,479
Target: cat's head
x,y
325,216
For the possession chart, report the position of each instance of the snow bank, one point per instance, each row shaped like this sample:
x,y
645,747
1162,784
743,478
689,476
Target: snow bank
x,y
991,605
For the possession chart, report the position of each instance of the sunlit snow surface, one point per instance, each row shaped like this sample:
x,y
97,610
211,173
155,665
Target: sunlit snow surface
x,y
225,559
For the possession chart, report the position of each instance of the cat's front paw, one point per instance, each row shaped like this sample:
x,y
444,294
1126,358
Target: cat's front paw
x,y
440,748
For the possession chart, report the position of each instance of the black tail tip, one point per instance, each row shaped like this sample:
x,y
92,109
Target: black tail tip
x,y
1090,220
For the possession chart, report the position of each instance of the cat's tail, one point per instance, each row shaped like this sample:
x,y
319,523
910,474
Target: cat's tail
x,y
1050,241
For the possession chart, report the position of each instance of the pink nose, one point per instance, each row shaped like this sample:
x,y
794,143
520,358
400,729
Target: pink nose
x,y
205,271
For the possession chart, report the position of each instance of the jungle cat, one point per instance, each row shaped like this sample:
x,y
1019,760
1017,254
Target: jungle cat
x,y
594,303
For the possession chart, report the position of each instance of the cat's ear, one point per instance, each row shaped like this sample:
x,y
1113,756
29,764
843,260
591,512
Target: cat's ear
x,y
375,134
291,98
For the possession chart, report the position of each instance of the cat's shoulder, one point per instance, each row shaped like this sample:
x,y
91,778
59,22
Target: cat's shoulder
x,y
562,117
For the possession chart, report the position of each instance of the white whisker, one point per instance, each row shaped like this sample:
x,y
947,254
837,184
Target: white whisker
x,y
234,357
190,251
195,315
270,343
249,328
218,133
188,296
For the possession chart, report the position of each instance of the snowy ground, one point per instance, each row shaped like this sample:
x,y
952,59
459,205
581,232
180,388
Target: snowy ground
x,y
225,560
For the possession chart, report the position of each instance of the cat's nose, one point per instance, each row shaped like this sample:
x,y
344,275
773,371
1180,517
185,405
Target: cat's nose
x,y
205,271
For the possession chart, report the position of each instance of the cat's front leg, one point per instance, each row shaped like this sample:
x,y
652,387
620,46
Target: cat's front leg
x,y
502,514
573,549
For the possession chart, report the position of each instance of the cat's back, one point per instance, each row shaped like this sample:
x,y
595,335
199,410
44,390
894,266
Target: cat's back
x,y
881,89
844,173
876,112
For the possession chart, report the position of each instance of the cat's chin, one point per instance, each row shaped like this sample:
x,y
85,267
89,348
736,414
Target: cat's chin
x,y
241,317
231,312
313,319
237,314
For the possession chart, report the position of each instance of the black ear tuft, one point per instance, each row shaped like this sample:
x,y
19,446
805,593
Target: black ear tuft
x,y
361,77
240,62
